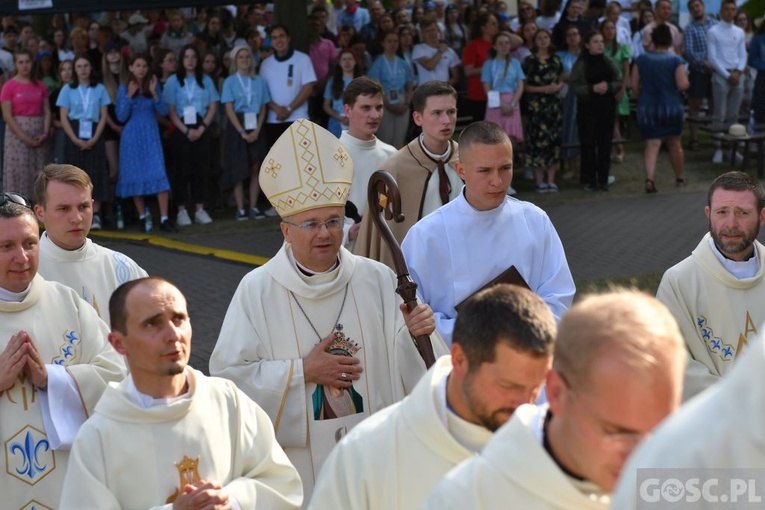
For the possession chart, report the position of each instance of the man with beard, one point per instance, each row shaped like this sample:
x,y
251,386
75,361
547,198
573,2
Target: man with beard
x,y
717,293
617,373
502,351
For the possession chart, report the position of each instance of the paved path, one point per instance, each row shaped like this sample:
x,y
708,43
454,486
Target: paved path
x,y
605,237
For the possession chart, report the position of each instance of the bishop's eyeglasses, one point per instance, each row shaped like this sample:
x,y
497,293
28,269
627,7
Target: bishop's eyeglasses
x,y
332,225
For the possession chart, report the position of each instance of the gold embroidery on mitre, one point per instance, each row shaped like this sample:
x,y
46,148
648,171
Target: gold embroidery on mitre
x,y
306,168
187,470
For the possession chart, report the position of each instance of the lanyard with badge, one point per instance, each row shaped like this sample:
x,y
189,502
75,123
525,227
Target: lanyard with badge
x,y
394,97
492,96
290,70
190,112
86,123
250,118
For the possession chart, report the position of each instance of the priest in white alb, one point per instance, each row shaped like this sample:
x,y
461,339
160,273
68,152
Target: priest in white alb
x,y
718,434
64,204
168,436
317,336
502,351
467,243
617,373
55,362
717,293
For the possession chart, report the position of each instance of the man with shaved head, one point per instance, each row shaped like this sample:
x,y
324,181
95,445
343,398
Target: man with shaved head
x,y
617,372
181,425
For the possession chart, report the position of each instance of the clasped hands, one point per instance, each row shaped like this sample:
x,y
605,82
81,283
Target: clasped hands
x,y
203,495
321,367
21,355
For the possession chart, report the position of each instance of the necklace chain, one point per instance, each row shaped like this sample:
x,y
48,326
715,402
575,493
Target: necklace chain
x,y
337,321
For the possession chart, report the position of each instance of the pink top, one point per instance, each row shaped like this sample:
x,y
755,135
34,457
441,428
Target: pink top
x,y
26,98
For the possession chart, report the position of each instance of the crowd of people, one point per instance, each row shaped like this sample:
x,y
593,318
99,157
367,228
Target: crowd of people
x,y
327,390
109,93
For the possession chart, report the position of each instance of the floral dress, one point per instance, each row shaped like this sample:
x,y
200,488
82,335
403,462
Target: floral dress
x,y
543,131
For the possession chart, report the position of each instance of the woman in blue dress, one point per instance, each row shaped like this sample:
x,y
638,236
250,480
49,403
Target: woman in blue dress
x,y
658,79
142,162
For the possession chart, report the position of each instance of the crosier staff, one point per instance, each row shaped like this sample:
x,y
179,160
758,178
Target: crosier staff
x,y
384,197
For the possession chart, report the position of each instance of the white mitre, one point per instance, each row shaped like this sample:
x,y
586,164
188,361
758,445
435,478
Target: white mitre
x,y
307,168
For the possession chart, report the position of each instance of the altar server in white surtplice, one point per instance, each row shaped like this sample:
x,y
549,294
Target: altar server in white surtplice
x,y
467,243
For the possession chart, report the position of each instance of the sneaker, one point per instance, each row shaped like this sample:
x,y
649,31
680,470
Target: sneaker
x,y
142,225
589,187
717,158
603,187
242,215
542,188
202,217
511,191
183,219
552,187
271,212
256,214
611,179
95,224
167,226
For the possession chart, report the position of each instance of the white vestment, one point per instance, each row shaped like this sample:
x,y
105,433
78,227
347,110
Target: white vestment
x,y
93,271
128,456
717,313
367,155
265,335
720,430
67,333
512,471
396,457
458,249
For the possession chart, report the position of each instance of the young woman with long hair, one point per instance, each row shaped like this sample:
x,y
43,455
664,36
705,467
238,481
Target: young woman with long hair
x,y
347,69
192,100
142,163
245,99
83,117
502,75
27,116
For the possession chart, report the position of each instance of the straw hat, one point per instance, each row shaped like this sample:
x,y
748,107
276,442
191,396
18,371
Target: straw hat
x,y
738,130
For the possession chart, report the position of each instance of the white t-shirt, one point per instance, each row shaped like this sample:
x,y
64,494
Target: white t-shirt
x,y
448,60
284,81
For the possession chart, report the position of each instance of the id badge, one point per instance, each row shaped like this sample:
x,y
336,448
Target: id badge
x,y
493,99
86,130
189,115
250,121
394,97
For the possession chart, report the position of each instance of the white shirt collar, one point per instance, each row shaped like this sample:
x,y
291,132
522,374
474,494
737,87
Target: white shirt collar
x,y
741,270
147,401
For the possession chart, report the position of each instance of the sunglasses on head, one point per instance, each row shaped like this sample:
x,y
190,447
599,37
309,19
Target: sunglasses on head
x,y
16,199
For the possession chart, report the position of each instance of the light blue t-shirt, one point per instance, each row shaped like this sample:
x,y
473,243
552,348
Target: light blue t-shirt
x,y
337,104
568,60
235,91
76,100
190,94
494,72
393,76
